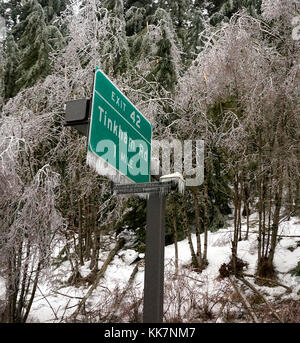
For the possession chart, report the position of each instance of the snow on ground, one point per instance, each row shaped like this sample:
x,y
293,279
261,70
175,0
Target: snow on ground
x,y
55,295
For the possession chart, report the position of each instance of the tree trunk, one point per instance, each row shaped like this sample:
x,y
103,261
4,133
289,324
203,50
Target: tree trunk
x,y
276,217
297,199
188,234
205,202
174,222
96,278
198,229
236,224
80,236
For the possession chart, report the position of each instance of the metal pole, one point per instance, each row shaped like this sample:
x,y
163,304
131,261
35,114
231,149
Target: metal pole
x,y
154,259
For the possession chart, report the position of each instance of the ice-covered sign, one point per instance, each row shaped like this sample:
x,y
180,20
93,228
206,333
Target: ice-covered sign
x,y
119,144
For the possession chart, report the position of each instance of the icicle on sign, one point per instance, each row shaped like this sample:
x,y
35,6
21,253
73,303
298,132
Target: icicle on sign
x,y
120,137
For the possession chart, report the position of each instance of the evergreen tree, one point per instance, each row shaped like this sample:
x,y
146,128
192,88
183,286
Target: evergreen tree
x,y
37,40
222,10
167,59
117,60
11,61
53,8
180,13
137,15
164,70
140,33
138,3
116,7
2,64
193,41
30,39
10,11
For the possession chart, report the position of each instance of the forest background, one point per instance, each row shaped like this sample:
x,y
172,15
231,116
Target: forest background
x,y
225,71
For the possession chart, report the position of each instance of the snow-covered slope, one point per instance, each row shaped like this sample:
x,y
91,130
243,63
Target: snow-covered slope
x,y
55,300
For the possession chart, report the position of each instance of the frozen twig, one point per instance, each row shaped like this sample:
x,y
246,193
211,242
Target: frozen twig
x,y
99,275
243,299
255,290
269,280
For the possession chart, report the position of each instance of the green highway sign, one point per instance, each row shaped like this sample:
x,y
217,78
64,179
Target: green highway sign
x,y
119,144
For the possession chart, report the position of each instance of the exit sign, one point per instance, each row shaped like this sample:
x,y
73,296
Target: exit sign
x,y
120,136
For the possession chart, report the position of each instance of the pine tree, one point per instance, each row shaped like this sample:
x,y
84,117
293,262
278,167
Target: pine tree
x,y
139,32
167,57
164,70
37,40
117,49
53,8
138,3
11,61
222,10
180,13
30,39
10,11
137,15
2,65
193,41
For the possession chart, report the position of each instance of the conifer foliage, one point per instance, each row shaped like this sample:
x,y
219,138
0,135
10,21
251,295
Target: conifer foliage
x,y
32,38
37,40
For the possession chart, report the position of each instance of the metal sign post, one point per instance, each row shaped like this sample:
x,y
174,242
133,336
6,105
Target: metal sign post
x,y
155,245
154,259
